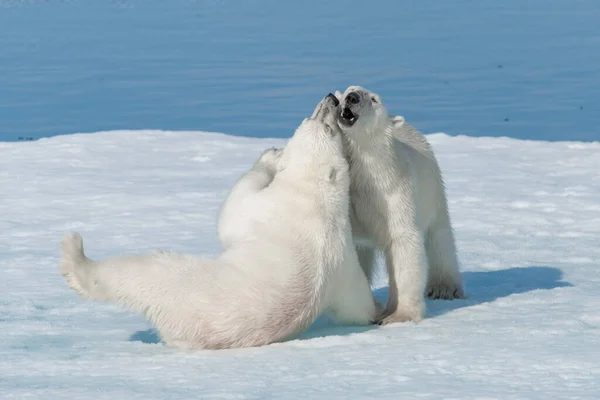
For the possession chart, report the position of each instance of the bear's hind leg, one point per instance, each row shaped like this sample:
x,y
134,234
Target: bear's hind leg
x,y
74,265
444,280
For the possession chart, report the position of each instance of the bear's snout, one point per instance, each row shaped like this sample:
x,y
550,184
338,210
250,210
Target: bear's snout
x,y
331,97
352,98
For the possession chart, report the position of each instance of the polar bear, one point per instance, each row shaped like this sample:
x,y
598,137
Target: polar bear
x,y
399,205
295,260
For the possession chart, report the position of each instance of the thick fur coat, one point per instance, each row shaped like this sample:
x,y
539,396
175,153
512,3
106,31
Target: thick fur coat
x,y
288,255
398,206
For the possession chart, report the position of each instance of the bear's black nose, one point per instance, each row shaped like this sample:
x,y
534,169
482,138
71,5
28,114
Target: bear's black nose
x,y
331,97
353,98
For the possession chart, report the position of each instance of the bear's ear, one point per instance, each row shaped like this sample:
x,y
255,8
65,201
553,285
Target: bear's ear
x,y
398,121
332,175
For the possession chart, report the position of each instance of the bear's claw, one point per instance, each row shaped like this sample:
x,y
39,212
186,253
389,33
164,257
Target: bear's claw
x,y
442,292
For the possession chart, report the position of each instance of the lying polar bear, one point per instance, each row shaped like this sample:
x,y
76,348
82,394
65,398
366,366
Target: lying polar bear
x,y
398,205
294,261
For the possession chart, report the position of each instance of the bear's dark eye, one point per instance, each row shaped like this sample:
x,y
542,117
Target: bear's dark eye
x,y
374,99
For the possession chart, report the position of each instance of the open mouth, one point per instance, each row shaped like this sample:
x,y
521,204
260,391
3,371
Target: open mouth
x,y
348,118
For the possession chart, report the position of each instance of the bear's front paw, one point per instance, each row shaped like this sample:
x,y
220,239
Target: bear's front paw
x,y
406,311
270,158
399,316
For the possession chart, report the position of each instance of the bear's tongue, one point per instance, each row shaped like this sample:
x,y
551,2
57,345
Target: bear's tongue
x,y
347,114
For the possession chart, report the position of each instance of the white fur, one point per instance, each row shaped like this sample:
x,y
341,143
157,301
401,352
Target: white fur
x,y
240,208
399,206
292,259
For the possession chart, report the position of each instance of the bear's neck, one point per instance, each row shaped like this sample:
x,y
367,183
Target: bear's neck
x,y
375,141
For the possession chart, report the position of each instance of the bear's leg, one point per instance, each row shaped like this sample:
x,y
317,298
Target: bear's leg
x,y
118,280
260,176
268,160
406,264
87,277
351,299
74,265
153,285
366,258
444,280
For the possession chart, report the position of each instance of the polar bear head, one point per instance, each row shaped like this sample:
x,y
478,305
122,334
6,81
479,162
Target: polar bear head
x,y
362,113
315,151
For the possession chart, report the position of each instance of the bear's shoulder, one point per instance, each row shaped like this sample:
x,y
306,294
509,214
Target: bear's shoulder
x,y
410,136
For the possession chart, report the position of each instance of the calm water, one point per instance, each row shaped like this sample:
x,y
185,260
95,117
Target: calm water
x,y
526,69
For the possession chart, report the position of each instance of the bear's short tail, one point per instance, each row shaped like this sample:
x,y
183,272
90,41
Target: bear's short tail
x,y
72,260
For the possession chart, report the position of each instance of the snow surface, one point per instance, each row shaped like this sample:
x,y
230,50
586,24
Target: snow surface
x,y
527,220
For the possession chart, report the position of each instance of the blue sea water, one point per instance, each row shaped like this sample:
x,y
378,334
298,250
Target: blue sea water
x,y
525,69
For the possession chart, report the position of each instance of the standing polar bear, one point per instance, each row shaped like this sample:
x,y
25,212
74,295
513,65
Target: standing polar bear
x,y
398,205
293,259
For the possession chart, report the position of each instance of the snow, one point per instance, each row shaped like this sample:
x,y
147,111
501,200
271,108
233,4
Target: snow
x,y
527,220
